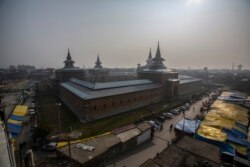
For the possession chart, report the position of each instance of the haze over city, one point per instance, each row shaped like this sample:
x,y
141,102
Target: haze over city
x,y
197,33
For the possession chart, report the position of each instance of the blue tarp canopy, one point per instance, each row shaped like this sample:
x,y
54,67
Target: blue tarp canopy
x,y
224,147
235,136
241,126
17,118
190,126
234,133
14,128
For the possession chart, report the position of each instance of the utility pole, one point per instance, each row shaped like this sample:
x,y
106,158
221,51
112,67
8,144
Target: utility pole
x,y
183,124
69,150
59,116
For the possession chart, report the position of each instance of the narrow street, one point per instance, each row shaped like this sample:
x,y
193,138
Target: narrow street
x,y
140,154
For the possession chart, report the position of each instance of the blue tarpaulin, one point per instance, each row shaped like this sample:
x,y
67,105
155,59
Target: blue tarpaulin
x,y
224,147
190,126
14,128
235,136
241,126
17,118
234,132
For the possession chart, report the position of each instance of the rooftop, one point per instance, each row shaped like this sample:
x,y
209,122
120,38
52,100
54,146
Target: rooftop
x,y
127,135
189,80
101,145
106,85
187,152
200,148
143,126
87,90
149,70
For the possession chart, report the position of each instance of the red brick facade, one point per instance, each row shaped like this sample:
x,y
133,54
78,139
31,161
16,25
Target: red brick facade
x,y
107,106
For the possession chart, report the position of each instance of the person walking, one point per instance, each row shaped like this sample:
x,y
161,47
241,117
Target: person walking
x,y
171,127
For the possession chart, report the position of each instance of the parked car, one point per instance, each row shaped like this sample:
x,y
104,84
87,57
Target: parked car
x,y
49,147
32,105
182,109
154,125
187,105
157,122
160,118
32,112
167,115
175,112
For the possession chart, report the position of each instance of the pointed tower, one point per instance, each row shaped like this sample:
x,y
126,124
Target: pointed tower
x,y
69,63
149,60
158,60
98,63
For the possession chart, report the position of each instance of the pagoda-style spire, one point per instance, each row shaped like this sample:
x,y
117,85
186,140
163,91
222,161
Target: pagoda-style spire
x,y
69,63
158,60
98,63
158,53
68,56
150,54
149,60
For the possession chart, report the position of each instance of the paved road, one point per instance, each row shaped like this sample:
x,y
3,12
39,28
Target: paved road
x,y
137,156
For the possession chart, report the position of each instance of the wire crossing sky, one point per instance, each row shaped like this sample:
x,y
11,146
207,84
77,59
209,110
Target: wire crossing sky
x,y
192,33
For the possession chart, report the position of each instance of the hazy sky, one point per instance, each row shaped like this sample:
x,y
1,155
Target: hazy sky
x,y
197,33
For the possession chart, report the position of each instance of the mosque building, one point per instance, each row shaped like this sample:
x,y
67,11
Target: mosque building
x,y
94,93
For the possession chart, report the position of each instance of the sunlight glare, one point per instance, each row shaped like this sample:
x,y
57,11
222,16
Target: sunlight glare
x,y
194,1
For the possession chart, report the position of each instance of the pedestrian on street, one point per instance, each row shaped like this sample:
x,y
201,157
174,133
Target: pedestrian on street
x,y
171,127
161,127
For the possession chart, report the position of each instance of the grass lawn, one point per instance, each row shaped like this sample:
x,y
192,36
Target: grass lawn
x,y
48,117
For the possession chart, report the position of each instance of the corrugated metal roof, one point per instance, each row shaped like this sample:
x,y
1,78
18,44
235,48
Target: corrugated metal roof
x,y
181,77
85,93
143,126
74,90
127,135
189,80
101,144
107,85
158,70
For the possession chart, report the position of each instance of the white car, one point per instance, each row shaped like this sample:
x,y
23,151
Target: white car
x,y
32,112
152,123
168,115
32,105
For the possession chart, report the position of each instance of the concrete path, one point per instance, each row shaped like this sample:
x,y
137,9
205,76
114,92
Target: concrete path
x,y
140,154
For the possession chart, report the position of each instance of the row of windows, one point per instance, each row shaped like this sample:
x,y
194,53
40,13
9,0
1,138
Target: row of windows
x,y
114,103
